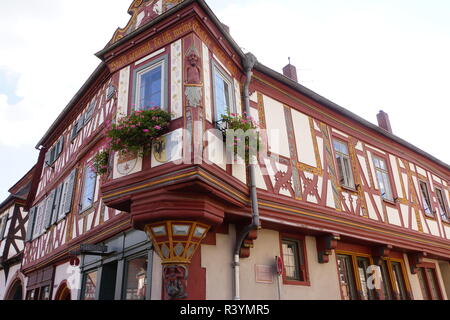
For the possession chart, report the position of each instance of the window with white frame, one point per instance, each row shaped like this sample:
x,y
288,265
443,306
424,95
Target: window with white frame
x,y
442,205
382,174
223,94
344,164
89,183
150,86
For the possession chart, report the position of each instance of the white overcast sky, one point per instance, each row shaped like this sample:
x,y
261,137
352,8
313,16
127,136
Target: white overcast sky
x,y
365,55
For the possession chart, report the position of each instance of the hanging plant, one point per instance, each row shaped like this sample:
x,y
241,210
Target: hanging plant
x,y
135,133
245,123
100,162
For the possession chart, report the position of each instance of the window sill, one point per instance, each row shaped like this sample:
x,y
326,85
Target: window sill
x,y
349,189
84,211
296,283
390,202
430,217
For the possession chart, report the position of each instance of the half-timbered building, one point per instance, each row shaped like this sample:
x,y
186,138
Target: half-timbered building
x,y
337,208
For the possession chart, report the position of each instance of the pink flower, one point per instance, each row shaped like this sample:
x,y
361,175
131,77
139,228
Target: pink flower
x,y
157,127
146,130
133,126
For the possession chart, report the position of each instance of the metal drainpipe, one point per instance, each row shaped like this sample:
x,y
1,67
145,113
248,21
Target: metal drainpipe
x,y
249,63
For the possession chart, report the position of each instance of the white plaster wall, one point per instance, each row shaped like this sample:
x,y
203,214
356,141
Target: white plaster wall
x,y
413,280
13,272
303,138
176,80
218,260
71,275
276,127
156,278
2,285
444,266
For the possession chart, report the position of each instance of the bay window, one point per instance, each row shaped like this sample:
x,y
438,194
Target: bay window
x,y
223,94
151,85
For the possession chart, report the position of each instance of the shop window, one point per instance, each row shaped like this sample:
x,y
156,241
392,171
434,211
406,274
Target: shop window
x,y
442,205
426,199
294,261
429,284
89,286
382,175
136,281
108,281
344,164
45,293
388,292
363,265
399,280
347,277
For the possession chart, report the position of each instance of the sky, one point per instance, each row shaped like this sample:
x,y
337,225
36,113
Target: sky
x,y
364,55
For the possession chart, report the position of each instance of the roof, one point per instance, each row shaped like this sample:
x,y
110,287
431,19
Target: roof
x,y
259,67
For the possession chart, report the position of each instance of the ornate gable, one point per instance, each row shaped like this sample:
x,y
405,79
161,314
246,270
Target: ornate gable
x,y
142,12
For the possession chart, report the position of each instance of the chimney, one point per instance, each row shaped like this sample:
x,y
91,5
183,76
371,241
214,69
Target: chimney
x,y
383,121
290,71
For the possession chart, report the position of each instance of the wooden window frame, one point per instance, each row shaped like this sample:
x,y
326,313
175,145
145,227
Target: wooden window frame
x,y
392,277
421,182
429,265
356,275
446,212
392,186
303,268
345,141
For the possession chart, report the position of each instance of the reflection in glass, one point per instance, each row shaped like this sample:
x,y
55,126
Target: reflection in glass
x,y
136,279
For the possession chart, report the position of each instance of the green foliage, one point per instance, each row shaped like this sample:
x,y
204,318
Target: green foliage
x,y
100,162
245,123
135,133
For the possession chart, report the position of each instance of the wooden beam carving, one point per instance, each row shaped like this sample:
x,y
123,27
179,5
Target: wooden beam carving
x,y
325,246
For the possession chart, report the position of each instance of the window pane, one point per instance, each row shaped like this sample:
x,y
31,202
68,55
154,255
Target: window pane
x,y
399,280
425,198
387,286
90,286
423,284
136,279
45,293
431,274
346,278
442,206
87,198
348,173
291,260
150,89
222,92
363,264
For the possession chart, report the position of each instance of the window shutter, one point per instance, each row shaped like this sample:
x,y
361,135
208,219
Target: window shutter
x,y
74,131
70,192
3,224
49,209
47,158
31,216
60,146
80,123
89,112
57,203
